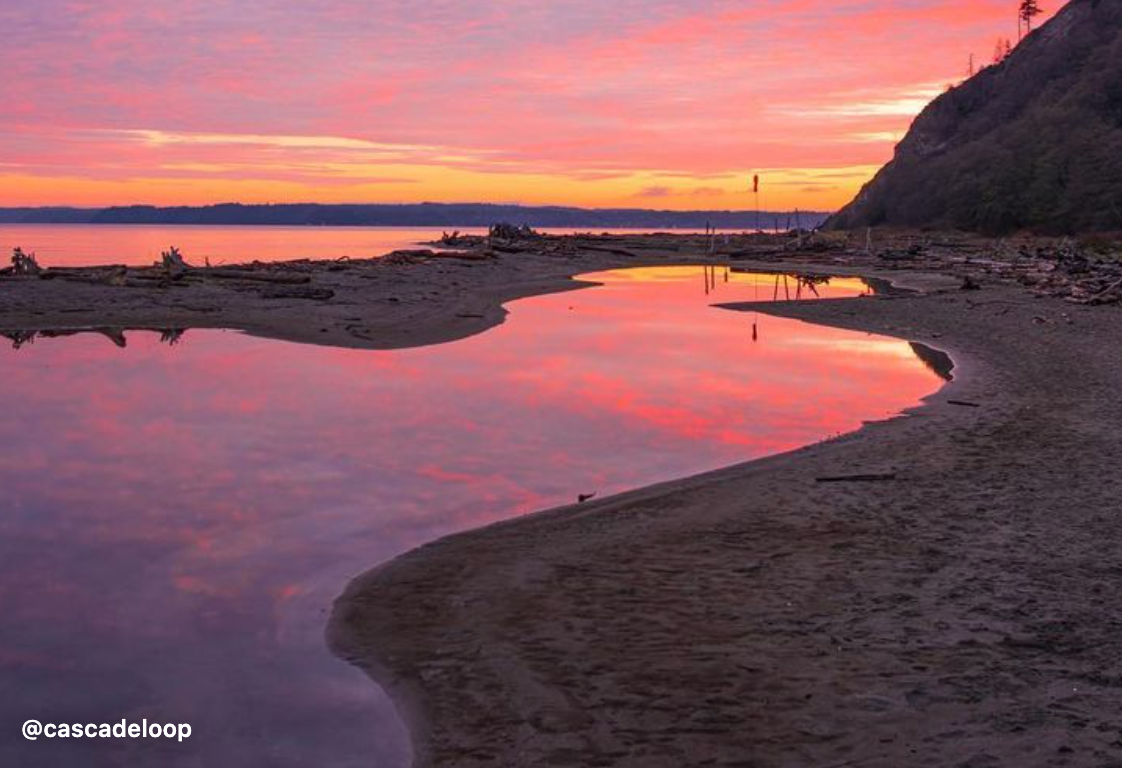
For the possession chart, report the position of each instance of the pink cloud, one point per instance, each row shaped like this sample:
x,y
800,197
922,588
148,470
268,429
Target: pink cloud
x,y
581,89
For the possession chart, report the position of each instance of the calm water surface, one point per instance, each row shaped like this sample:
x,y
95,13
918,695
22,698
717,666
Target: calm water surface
x,y
177,519
70,245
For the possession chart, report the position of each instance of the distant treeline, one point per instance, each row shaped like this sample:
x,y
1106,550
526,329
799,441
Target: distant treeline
x,y
411,215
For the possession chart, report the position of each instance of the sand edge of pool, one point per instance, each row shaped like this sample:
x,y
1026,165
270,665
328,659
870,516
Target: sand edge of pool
x,y
754,615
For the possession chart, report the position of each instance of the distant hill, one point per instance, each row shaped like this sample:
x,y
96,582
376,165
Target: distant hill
x,y
1032,143
412,215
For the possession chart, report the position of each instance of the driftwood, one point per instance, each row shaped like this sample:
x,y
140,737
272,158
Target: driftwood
x,y
263,277
869,478
110,275
315,294
606,249
512,248
115,275
456,240
406,256
1108,294
465,255
24,264
504,231
173,263
420,255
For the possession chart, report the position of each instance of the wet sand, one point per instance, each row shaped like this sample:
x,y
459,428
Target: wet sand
x,y
961,611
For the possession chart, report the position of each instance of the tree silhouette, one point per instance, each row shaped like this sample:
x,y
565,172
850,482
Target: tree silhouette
x,y
1002,50
1029,10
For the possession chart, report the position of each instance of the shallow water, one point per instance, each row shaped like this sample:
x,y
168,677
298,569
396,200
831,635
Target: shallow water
x,y
177,519
72,245
68,245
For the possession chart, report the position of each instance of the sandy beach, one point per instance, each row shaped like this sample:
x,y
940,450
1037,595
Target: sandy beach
x,y
954,609
958,613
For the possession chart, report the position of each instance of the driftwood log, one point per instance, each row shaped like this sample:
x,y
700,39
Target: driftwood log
x,y
24,264
256,276
173,263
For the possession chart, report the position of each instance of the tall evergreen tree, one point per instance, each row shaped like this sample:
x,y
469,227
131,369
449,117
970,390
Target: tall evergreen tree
x,y
1029,10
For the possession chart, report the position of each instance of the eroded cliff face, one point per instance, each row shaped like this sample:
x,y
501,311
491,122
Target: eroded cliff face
x,y
1032,143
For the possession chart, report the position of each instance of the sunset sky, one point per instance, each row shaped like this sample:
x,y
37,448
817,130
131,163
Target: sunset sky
x,y
635,103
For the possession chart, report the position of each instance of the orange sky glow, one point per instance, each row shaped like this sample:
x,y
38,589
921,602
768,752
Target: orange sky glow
x,y
635,103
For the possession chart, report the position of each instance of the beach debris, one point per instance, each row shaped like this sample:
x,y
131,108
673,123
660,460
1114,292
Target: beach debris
x,y
417,256
259,276
115,275
313,294
505,231
583,497
964,404
865,478
24,264
607,249
402,257
173,263
456,240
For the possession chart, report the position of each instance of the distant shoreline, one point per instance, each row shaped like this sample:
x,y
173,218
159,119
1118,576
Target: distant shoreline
x,y
464,215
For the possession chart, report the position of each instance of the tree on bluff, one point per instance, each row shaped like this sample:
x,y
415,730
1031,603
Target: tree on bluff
x,y
1029,10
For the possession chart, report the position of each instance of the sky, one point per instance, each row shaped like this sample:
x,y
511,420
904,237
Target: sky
x,y
603,103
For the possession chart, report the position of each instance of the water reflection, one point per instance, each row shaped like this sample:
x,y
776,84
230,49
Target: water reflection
x,y
21,338
176,520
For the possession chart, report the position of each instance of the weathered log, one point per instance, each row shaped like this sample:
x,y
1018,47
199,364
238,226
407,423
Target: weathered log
x,y
262,277
110,275
869,478
464,255
606,249
315,294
